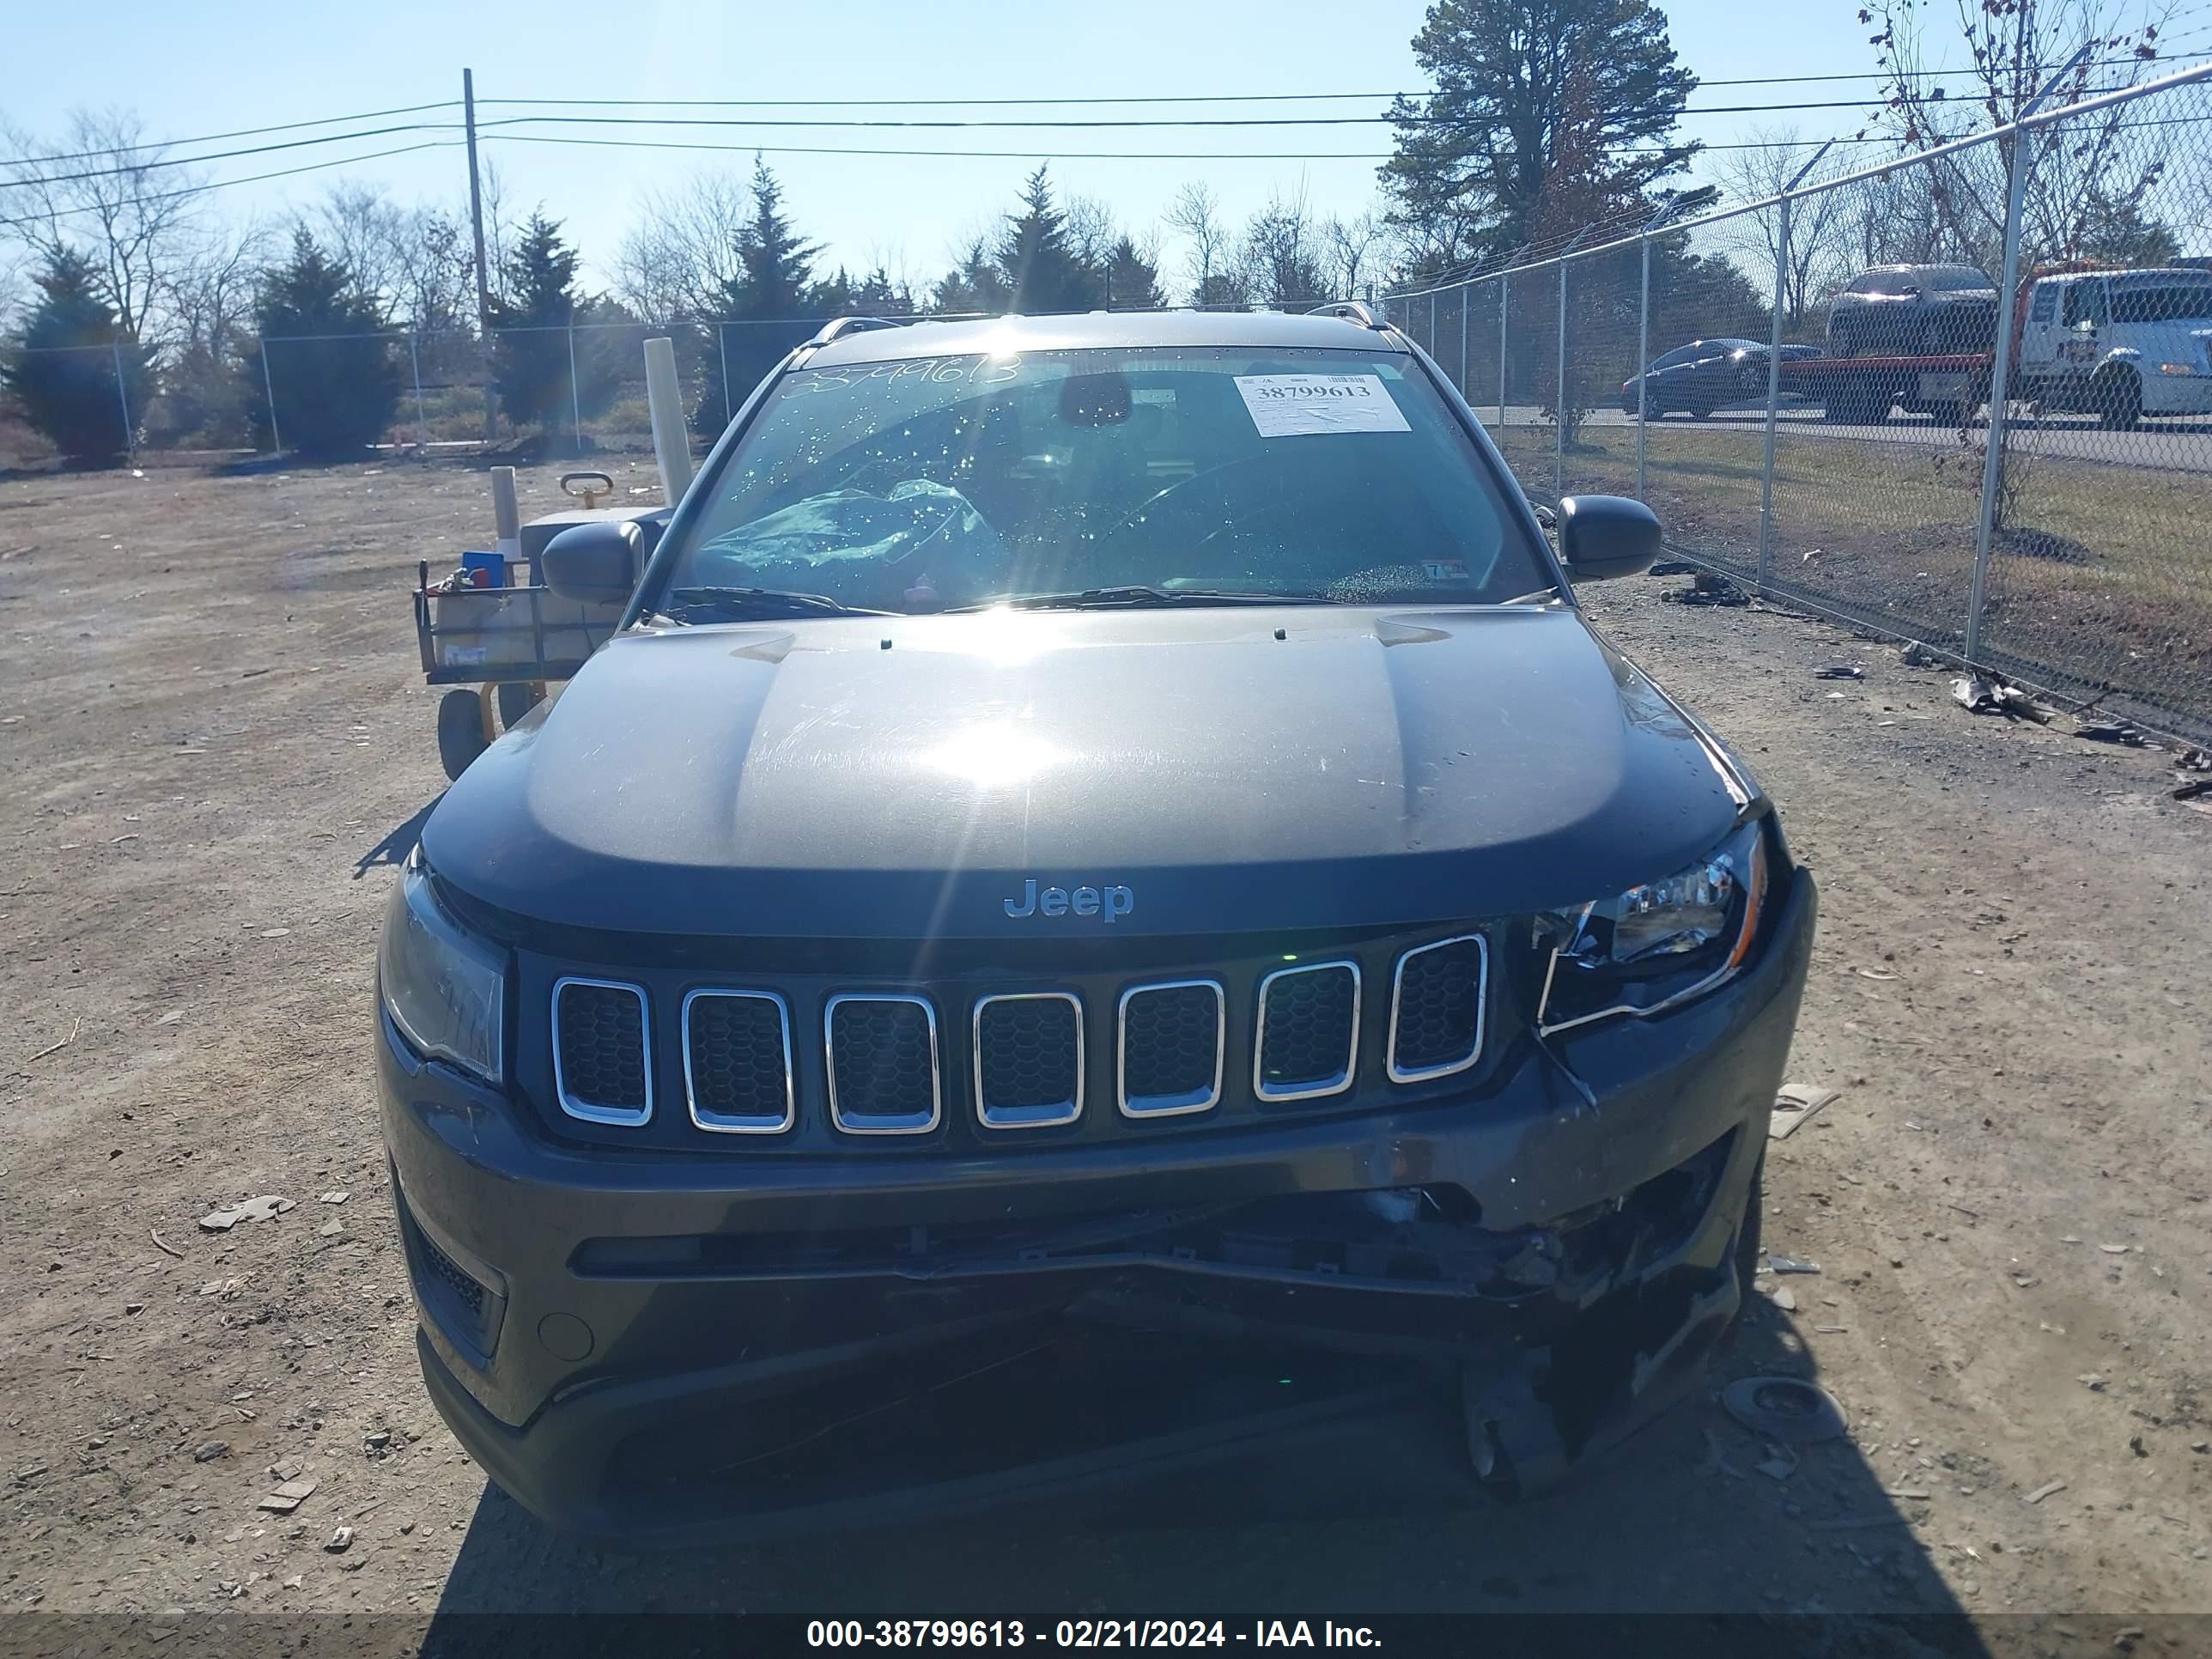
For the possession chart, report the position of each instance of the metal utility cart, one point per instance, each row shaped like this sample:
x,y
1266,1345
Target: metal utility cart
x,y
500,648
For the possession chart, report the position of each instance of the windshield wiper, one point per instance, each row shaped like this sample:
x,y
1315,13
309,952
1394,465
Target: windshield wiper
x,y
749,603
1137,596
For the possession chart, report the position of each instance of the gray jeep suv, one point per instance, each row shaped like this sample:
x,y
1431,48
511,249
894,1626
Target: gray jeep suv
x,y
1103,905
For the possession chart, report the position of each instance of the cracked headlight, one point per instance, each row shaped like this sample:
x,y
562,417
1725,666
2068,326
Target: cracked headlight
x,y
443,988
1658,943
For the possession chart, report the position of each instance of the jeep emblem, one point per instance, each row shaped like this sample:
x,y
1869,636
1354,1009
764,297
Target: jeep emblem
x,y
1111,903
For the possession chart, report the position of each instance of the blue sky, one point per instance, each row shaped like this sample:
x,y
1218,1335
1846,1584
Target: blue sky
x,y
219,64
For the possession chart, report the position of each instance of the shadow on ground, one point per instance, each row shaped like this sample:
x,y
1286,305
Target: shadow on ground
x,y
398,842
1377,1517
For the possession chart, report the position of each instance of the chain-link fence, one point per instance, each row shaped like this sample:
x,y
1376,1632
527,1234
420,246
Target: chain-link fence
x,y
1964,397
579,390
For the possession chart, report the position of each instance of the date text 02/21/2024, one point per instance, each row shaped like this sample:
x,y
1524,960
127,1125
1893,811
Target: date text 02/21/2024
x,y
1084,1633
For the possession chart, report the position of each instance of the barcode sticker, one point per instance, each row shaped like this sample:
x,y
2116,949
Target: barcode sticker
x,y
1294,405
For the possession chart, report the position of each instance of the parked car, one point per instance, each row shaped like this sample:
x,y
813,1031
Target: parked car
x,y
1102,892
1703,376
1915,311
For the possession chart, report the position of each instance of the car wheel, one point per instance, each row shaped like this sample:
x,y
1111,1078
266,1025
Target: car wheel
x,y
2117,395
1948,414
460,731
1701,410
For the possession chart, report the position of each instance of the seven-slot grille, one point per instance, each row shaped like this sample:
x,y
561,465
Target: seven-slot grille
x,y
882,1062
737,1061
1308,1039
1028,1060
602,1051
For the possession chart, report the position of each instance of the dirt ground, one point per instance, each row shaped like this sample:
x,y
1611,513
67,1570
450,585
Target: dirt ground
x,y
218,745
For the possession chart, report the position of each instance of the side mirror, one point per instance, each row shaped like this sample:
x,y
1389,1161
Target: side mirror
x,y
596,563
1601,537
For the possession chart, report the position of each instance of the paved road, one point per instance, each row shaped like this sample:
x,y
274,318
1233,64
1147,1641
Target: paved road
x,y
2172,445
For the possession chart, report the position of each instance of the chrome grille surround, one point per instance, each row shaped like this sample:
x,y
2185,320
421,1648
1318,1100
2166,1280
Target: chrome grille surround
x,y
743,1123
1028,1116
591,1111
884,1123
1176,1105
1422,1073
1306,1088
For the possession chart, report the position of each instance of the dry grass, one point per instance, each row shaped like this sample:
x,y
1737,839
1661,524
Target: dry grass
x,y
2102,578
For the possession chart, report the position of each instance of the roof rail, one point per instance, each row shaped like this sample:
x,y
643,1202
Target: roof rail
x,y
1351,310
839,326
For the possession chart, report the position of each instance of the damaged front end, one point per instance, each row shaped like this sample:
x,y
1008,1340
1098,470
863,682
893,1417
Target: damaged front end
x,y
924,1368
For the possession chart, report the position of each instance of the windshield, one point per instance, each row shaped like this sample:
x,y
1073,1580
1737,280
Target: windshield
x,y
931,482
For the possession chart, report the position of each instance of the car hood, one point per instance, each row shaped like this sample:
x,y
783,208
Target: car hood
x,y
1234,769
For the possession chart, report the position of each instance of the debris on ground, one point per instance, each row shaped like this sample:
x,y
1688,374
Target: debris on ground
x,y
1784,1408
209,1450
267,1208
1793,1104
1784,1298
340,1542
2192,760
1839,670
288,1497
1985,693
335,1197
1673,568
2046,1490
1916,655
2117,731
1707,588
1791,1264
1779,1463
2192,789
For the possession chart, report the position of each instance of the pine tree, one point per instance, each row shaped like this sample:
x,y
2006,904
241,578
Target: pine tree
x,y
1041,272
336,382
65,378
768,304
1132,281
530,351
974,286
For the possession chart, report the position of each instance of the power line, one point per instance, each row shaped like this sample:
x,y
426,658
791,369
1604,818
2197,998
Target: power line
x,y
220,138
947,155
225,183
225,155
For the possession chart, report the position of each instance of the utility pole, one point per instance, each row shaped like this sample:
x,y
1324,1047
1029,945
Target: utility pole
x,y
483,275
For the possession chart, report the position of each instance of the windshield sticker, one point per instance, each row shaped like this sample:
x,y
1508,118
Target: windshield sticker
x,y
1447,570
1294,405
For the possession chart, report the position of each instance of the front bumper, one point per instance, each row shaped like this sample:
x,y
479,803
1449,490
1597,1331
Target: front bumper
x,y
657,1348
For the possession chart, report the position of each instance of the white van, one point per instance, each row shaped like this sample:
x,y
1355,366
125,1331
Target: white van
x,y
2121,344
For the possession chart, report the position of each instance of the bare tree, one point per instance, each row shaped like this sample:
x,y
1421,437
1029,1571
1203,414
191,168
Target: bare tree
x,y
1283,252
118,204
1352,249
358,225
2085,174
1089,230
1195,215
1821,225
682,254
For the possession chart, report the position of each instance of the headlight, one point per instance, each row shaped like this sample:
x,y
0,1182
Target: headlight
x,y
444,990
1658,943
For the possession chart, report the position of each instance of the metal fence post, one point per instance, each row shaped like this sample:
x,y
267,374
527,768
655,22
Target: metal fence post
x,y
123,397
1773,399
1466,293
1504,295
575,395
1431,341
269,389
1978,595
1559,398
722,350
1643,359
422,418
